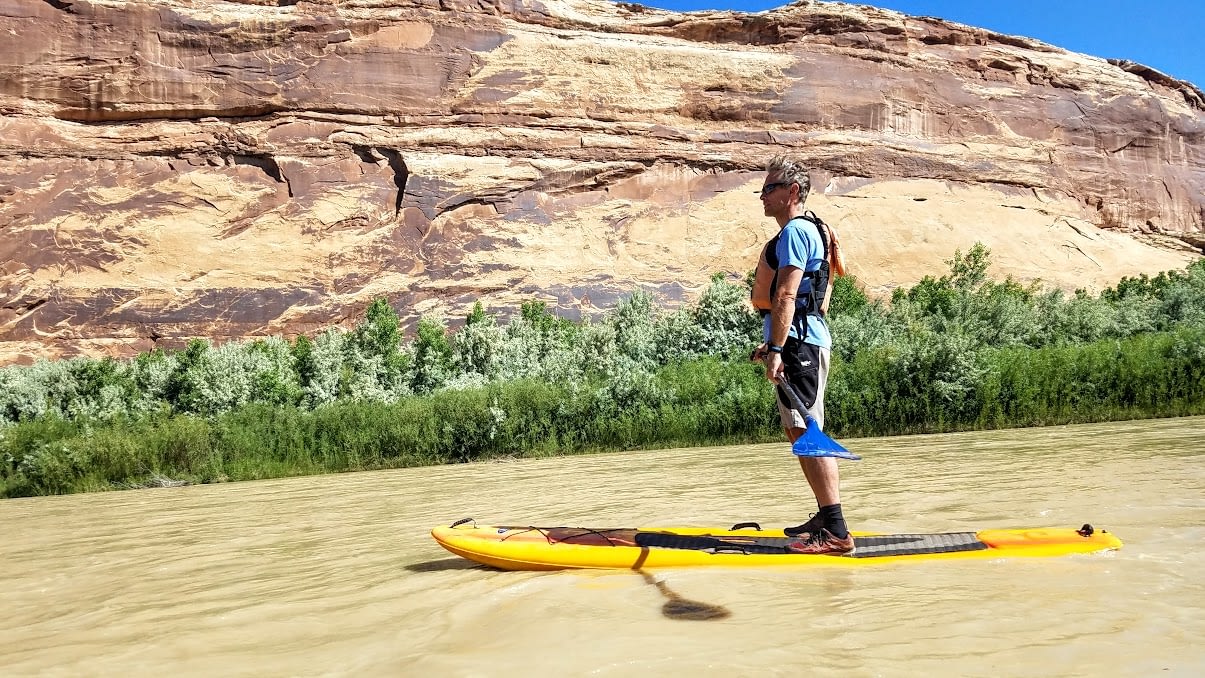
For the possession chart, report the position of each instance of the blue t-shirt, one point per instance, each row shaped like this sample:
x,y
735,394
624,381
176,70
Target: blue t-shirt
x,y
799,245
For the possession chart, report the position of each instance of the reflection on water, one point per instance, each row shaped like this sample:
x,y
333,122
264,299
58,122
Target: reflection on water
x,y
337,575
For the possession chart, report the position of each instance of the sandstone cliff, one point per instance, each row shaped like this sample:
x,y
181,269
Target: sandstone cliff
x,y
180,168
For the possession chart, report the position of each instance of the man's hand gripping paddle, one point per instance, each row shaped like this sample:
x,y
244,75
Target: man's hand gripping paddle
x,y
813,442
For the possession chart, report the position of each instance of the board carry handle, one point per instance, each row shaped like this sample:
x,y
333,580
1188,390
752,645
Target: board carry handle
x,y
744,526
462,521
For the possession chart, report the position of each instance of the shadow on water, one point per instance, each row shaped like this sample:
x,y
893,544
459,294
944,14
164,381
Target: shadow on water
x,y
677,607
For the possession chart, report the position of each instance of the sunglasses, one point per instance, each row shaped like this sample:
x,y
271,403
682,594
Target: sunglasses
x,y
770,188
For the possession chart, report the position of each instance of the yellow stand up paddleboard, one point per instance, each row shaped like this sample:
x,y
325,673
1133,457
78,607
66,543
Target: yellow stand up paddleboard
x,y
743,545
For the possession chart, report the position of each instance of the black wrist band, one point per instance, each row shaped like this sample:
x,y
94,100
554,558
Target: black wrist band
x,y
774,349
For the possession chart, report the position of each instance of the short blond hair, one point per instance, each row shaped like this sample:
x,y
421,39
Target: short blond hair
x,y
791,171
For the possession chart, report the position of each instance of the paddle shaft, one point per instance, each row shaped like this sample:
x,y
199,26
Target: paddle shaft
x,y
793,396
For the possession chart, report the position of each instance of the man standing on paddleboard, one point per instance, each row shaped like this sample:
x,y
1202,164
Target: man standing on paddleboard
x,y
791,290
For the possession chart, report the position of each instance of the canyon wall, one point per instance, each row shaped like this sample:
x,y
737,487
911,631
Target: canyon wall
x,y
193,168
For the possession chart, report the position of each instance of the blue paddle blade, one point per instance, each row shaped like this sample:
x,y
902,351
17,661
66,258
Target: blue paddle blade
x,y
814,443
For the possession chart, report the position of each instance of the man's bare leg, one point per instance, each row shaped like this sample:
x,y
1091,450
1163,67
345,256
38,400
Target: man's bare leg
x,y
824,479
822,474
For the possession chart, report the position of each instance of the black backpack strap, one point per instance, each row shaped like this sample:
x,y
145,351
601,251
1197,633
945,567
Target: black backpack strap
x,y
822,228
819,278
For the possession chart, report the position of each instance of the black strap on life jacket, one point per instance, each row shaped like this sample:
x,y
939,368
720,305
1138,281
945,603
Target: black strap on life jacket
x,y
810,302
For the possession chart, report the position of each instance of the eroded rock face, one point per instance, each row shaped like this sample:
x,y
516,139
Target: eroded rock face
x,y
181,168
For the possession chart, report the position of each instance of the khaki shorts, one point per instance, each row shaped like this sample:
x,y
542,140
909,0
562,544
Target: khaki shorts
x,y
806,367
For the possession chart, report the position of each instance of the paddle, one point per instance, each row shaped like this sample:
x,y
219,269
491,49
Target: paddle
x,y
677,607
813,442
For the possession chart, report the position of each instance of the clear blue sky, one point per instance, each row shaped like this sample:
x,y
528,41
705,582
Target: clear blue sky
x,y
1167,35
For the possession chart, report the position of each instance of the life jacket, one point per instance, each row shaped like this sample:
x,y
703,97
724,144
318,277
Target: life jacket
x,y
815,298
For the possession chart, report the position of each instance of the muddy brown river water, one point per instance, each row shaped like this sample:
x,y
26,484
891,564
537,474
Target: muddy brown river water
x,y
337,575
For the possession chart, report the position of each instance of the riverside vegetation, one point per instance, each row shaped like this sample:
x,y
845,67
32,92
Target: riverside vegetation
x,y
952,353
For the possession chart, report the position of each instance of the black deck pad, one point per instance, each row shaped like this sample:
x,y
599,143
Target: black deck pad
x,y
916,544
866,547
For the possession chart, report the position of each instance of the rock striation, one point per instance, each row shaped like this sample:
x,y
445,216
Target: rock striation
x,y
180,168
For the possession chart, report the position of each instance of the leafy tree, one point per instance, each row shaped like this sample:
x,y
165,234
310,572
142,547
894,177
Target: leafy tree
x,y
727,324
375,366
634,319
847,297
537,313
380,335
476,347
275,379
325,376
303,358
968,272
152,374
181,388
478,315
432,357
